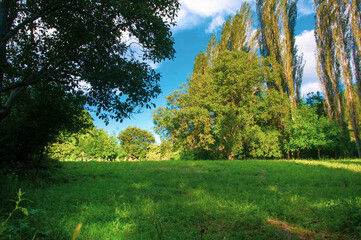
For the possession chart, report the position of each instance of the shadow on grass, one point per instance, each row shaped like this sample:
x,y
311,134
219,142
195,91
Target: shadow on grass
x,y
203,200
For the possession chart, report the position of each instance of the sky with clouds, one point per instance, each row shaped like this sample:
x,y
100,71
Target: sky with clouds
x,y
197,21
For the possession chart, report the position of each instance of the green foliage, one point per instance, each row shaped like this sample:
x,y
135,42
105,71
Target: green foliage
x,y
234,105
276,38
86,145
240,105
263,143
86,44
165,151
136,142
226,110
41,114
311,132
7,229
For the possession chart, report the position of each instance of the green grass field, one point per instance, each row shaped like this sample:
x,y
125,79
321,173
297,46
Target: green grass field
x,y
276,199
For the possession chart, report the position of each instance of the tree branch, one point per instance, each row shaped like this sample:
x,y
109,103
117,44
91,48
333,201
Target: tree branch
x,y
34,78
15,93
47,10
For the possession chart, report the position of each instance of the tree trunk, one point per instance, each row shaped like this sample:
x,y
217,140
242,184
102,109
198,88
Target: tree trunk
x,y
355,130
298,153
3,30
319,153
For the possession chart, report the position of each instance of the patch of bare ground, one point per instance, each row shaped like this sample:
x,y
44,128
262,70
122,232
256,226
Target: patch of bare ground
x,y
295,231
193,170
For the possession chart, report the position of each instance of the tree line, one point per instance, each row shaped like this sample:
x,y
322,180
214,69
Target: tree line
x,y
243,99
93,144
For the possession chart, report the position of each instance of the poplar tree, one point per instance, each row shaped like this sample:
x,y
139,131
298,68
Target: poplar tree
x,y
355,12
238,33
277,20
341,36
342,33
328,68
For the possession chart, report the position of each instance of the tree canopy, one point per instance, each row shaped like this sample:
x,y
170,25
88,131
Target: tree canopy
x,y
242,104
97,48
135,142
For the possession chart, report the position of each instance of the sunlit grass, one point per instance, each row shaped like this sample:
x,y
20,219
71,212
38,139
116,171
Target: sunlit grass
x,y
351,165
195,200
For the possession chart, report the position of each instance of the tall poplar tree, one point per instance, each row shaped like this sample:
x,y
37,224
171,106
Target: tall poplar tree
x,y
342,32
356,21
342,36
355,13
277,19
328,67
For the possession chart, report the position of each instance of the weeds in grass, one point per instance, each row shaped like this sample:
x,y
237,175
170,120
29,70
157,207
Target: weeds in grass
x,y
22,223
4,223
156,222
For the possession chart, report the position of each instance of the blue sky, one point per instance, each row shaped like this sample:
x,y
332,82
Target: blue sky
x,y
197,21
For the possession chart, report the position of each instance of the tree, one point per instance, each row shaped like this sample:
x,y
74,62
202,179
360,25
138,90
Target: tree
x,y
135,142
328,67
342,33
95,46
277,20
226,110
41,114
87,144
310,132
220,110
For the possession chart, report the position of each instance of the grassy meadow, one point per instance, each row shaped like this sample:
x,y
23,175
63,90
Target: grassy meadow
x,y
278,199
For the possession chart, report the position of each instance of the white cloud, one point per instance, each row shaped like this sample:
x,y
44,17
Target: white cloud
x,y
187,20
307,45
305,7
215,24
310,87
207,8
195,12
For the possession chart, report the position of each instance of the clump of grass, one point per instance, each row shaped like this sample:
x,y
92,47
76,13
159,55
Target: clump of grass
x,y
4,226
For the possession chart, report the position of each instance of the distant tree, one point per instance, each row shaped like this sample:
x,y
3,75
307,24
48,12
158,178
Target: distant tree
x,y
95,46
165,151
135,142
85,145
97,144
310,132
316,100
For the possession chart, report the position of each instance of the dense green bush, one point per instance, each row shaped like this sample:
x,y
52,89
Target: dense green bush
x,y
91,144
